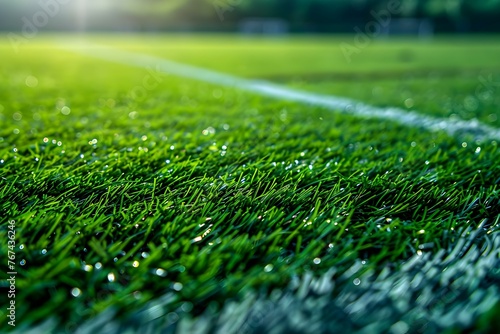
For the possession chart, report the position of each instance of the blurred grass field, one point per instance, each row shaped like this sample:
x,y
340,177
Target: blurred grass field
x,y
207,194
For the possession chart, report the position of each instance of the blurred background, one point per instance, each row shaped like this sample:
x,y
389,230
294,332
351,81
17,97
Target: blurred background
x,y
250,16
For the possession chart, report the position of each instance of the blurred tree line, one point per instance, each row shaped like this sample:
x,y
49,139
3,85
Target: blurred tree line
x,y
302,15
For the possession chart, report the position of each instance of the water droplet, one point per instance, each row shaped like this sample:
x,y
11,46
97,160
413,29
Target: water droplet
x,y
177,286
65,110
208,131
317,260
31,81
356,281
161,272
172,317
98,265
21,246
44,251
111,277
187,307
75,292
268,268
409,103
135,264
23,262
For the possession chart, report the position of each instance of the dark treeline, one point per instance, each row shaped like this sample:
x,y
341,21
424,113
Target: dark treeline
x,y
226,15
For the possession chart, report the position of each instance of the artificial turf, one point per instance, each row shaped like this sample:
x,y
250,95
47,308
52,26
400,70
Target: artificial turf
x,y
183,203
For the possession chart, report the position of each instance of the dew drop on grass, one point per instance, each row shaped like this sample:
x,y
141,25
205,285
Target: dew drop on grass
x,y
75,292
172,317
177,286
23,262
98,265
87,267
268,268
21,246
356,281
44,251
409,103
161,272
317,260
111,277
135,264
65,110
187,307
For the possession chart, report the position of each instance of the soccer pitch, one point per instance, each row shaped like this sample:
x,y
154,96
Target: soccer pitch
x,y
148,201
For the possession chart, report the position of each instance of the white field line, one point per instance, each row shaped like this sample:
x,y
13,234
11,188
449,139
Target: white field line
x,y
454,127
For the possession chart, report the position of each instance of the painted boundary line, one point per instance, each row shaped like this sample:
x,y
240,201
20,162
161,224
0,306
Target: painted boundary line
x,y
347,106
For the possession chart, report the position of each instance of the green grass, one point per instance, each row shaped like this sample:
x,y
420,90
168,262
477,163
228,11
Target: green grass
x,y
193,197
